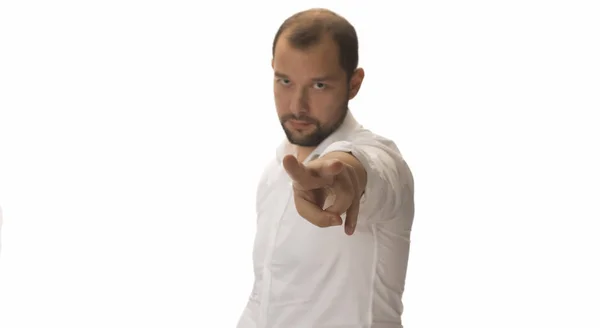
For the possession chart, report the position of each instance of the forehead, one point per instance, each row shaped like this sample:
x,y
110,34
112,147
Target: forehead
x,y
316,60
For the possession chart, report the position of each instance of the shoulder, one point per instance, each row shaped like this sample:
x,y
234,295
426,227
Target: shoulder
x,y
373,150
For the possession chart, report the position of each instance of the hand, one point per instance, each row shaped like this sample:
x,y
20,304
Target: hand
x,y
319,180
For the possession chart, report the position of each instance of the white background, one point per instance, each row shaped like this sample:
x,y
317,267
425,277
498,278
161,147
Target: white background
x,y
133,133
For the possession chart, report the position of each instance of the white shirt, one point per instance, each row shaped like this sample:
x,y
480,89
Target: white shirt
x,y
311,277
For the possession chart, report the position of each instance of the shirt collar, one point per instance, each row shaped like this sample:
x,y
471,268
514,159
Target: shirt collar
x,y
348,126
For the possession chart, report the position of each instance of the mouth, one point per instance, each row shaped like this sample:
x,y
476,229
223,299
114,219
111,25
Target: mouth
x,y
299,125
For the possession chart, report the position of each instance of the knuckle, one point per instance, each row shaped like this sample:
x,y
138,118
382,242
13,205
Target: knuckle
x,y
321,223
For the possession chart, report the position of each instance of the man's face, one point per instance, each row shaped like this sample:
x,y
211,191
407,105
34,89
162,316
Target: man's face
x,y
311,91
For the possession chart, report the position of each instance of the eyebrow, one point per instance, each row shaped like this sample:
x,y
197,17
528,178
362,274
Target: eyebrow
x,y
318,78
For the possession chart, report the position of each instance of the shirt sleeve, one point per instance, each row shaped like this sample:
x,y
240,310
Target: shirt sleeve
x,y
389,180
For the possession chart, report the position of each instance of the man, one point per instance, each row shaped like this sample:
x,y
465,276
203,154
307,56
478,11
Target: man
x,y
335,207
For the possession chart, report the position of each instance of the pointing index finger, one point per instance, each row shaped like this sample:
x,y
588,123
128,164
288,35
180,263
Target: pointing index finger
x,y
294,168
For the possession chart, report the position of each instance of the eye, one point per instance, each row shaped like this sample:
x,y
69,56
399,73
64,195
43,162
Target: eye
x,y
320,85
283,81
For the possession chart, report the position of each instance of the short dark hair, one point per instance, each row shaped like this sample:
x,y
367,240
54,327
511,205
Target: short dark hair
x,y
308,27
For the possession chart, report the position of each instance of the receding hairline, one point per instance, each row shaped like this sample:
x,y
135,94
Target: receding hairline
x,y
311,27
320,19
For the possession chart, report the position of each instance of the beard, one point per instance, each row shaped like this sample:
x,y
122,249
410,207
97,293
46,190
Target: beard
x,y
319,132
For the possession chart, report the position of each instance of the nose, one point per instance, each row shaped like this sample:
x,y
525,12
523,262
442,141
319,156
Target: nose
x,y
299,104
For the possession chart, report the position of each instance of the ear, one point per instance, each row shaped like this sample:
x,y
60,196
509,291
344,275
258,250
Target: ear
x,y
273,63
355,82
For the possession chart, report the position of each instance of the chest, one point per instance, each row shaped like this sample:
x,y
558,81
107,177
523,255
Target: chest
x,y
286,240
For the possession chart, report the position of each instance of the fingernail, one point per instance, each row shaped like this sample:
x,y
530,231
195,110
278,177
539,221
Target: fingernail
x,y
349,230
335,221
